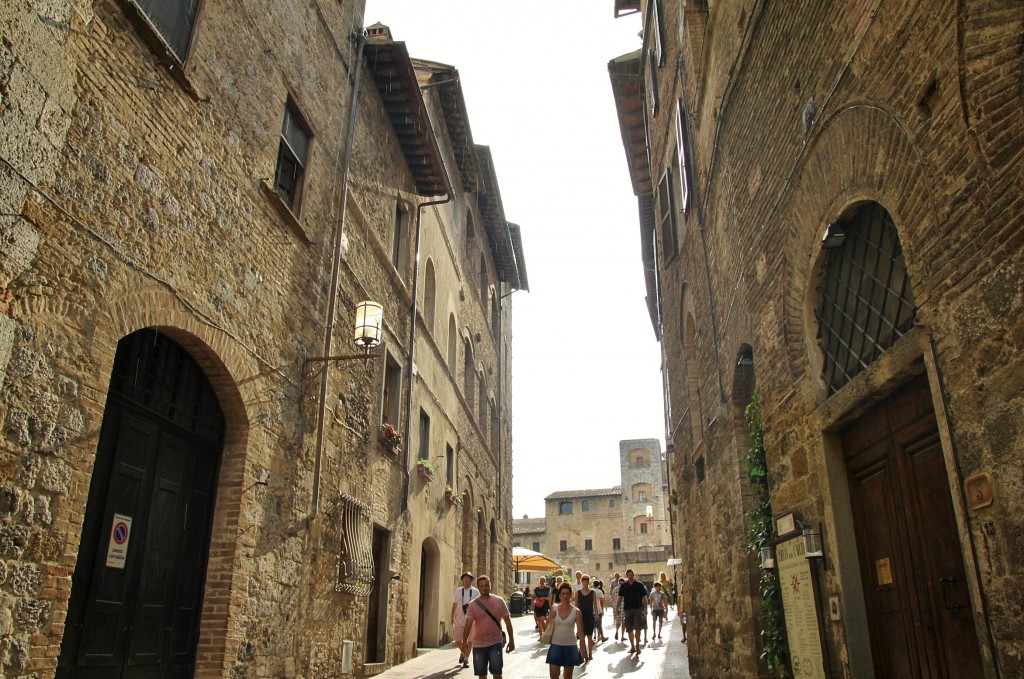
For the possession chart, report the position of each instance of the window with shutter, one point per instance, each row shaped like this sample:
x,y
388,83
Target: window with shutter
x,y
667,217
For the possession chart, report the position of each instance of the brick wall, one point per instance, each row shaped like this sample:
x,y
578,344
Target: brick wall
x,y
798,113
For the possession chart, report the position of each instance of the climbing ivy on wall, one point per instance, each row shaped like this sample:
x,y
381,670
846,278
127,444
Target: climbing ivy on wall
x,y
760,534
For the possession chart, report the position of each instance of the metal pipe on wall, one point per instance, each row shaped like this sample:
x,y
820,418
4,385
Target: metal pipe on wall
x,y
335,273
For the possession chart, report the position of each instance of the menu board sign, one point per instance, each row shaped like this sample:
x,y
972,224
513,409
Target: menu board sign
x,y
800,605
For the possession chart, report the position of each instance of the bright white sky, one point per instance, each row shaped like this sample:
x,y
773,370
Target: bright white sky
x,y
585,364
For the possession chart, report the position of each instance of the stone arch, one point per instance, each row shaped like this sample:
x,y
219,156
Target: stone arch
x,y
881,164
497,576
481,543
429,295
429,626
992,86
453,343
468,525
469,373
230,369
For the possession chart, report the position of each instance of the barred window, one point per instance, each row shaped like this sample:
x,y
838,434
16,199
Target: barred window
x,y
866,300
355,573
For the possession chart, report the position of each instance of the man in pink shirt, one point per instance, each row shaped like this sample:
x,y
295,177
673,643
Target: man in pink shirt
x,y
484,631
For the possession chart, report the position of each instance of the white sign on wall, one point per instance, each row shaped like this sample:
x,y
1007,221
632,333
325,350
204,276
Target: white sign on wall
x,y
117,549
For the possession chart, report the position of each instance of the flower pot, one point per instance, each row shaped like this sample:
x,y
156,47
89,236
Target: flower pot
x,y
424,473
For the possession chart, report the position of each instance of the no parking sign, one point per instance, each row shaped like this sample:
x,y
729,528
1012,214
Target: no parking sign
x,y
117,549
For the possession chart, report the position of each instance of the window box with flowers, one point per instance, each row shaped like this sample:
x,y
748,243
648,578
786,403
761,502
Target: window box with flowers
x,y
450,497
391,439
425,469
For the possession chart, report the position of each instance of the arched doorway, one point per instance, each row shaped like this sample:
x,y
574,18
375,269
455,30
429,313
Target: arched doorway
x,y
428,630
137,589
916,603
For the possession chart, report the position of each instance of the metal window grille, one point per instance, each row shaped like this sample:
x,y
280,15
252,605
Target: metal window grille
x,y
355,573
866,301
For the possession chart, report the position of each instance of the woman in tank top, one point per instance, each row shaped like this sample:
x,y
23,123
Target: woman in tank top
x,y
567,636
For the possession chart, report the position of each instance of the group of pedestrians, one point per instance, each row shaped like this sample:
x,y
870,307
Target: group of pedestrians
x,y
573,611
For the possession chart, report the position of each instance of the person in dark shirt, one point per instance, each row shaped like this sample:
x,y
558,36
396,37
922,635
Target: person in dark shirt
x,y
541,604
633,596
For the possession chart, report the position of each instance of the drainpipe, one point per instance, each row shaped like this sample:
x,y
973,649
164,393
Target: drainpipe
x,y
449,197
335,272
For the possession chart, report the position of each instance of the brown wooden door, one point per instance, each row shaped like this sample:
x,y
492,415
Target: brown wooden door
x,y
919,612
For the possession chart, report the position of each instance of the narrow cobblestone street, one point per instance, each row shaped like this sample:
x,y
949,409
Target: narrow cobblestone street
x,y
666,657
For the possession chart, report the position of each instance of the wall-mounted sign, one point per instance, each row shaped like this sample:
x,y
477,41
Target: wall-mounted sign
x,y
799,603
117,548
883,572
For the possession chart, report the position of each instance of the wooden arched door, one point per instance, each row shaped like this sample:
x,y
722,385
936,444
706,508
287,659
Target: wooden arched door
x,y
137,589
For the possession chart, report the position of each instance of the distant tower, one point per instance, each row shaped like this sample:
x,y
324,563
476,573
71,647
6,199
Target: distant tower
x,y
644,496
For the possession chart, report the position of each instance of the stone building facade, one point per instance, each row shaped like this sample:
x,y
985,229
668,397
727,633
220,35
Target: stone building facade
x,y
192,208
607,530
830,206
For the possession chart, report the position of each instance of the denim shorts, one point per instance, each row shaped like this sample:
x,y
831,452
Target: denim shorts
x,y
489,656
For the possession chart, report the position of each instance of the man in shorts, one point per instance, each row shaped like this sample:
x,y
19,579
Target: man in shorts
x,y
484,631
657,600
633,596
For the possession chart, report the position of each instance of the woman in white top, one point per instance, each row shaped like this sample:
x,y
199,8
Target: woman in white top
x,y
567,635
460,602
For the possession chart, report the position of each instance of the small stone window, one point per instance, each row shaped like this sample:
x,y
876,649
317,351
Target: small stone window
x,y
563,545
172,20
565,507
585,505
616,544
292,155
588,545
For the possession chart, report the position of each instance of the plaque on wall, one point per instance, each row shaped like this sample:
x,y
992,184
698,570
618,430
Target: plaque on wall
x,y
800,605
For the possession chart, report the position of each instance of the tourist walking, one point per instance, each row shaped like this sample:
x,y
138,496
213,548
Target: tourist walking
x,y
599,613
586,602
567,635
541,603
483,630
657,600
633,595
616,602
463,596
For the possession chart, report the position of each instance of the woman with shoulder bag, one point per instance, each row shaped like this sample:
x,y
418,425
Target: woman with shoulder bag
x,y
567,635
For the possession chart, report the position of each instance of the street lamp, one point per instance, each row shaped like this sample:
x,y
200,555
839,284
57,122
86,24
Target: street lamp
x,y
368,329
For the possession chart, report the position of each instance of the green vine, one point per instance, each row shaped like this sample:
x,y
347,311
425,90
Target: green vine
x,y
760,534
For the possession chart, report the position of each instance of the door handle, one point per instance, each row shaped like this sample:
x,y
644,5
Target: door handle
x,y
949,594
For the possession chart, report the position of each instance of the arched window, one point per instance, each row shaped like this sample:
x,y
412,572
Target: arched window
x,y
452,343
483,279
470,375
495,317
565,507
429,295
866,303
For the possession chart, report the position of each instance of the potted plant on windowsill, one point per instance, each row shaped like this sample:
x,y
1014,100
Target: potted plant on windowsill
x,y
674,497
425,469
391,439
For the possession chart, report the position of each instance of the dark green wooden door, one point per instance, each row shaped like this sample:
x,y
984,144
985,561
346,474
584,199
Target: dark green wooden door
x,y
156,473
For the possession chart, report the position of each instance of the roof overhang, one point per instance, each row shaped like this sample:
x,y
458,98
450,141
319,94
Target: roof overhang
x,y
648,255
517,247
393,74
445,80
624,7
627,76
489,200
